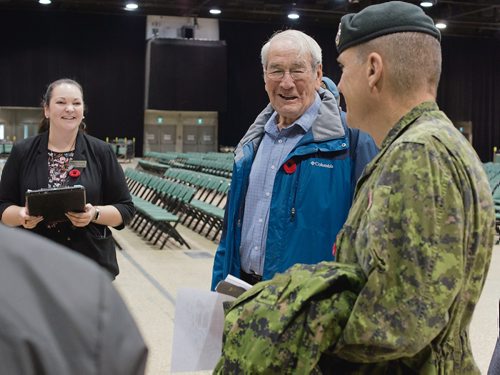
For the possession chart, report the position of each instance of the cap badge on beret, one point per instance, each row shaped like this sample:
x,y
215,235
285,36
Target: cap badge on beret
x,y
337,38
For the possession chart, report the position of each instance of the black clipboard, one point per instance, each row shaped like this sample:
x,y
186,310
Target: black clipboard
x,y
53,203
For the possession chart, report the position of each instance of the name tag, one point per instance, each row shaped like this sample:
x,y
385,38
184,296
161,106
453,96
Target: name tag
x,y
78,163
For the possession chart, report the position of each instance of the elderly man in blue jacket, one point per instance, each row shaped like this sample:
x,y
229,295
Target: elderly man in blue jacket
x,y
294,171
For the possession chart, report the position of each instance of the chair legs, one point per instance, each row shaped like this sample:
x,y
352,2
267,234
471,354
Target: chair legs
x,y
153,231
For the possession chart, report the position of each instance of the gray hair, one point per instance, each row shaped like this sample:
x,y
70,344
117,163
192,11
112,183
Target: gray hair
x,y
305,46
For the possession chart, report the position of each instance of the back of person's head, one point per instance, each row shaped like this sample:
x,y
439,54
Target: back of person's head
x,y
45,123
304,45
412,61
60,314
405,38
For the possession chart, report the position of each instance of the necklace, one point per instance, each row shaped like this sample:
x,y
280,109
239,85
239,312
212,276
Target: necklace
x,y
51,147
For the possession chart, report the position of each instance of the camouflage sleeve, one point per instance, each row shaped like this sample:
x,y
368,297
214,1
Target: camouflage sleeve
x,y
413,255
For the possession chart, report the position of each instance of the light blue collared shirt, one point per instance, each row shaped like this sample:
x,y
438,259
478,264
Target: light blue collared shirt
x,y
272,153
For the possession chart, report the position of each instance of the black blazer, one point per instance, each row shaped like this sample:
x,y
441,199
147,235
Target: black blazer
x,y
104,181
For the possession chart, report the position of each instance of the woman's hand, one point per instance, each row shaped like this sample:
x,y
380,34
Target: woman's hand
x,y
82,219
27,221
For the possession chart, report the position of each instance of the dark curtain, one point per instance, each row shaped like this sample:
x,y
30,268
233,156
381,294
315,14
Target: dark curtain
x,y
469,88
104,53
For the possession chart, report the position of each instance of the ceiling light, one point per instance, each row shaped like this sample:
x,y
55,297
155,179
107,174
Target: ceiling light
x,y
441,25
44,2
293,15
215,11
428,3
131,6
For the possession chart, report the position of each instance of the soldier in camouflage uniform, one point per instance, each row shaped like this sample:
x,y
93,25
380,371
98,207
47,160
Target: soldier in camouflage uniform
x,y
422,224
421,227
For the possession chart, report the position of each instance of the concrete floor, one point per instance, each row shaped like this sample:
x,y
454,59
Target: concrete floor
x,y
150,278
148,281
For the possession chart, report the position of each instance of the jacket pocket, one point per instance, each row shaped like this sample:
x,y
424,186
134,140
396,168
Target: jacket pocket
x,y
96,242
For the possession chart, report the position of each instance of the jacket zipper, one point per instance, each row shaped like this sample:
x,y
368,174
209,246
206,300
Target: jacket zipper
x,y
245,188
293,210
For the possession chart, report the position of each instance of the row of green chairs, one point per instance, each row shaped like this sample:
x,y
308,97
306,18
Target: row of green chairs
x,y
219,156
493,173
159,203
216,167
203,181
152,166
171,155
205,213
162,157
6,148
216,163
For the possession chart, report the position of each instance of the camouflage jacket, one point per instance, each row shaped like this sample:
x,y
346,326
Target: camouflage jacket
x,y
282,326
421,228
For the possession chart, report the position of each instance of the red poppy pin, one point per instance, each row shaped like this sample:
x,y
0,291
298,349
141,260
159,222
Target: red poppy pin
x,y
74,173
290,166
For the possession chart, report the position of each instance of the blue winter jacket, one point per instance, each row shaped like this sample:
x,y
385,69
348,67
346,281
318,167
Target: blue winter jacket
x,y
309,202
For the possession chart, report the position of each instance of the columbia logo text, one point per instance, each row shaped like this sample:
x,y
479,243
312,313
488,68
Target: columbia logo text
x,y
322,165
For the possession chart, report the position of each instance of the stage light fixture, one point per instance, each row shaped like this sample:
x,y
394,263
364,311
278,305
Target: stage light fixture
x,y
131,6
428,3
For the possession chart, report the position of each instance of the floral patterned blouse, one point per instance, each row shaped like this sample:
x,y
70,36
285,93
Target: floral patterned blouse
x,y
59,168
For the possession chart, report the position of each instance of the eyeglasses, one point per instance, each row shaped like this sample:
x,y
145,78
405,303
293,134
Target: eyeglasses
x,y
278,74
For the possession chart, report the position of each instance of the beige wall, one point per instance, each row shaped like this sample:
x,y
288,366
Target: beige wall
x,y
20,121
180,131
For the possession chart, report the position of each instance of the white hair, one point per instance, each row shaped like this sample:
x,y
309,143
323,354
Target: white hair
x,y
304,43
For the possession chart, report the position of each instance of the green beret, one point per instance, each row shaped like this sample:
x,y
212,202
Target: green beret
x,y
382,19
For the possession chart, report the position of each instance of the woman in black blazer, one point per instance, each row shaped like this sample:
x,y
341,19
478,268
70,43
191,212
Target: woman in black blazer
x,y
63,155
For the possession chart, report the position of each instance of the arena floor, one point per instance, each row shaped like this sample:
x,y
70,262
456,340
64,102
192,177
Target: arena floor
x,y
150,278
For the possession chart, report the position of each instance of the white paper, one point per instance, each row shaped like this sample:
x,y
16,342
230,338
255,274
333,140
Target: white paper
x,y
237,281
198,327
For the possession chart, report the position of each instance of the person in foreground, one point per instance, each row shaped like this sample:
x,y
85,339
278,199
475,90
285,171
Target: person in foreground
x,y
60,314
63,155
295,170
421,226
